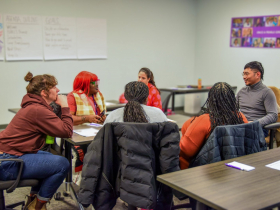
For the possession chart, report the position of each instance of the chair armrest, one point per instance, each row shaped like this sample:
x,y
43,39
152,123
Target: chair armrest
x,y
272,126
15,184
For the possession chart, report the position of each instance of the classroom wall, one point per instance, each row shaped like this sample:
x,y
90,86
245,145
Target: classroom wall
x,y
159,34
215,61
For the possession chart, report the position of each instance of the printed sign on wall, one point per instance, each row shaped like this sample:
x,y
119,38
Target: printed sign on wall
x,y
257,32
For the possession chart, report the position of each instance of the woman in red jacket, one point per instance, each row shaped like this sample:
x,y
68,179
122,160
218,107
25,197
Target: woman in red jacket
x,y
221,109
146,76
26,135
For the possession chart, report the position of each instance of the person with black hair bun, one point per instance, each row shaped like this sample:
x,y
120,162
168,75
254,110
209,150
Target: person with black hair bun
x,y
256,100
220,108
136,110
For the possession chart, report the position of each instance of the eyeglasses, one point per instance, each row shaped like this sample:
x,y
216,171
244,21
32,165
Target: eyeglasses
x,y
247,73
95,82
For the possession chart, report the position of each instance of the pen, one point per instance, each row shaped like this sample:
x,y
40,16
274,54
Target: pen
x,y
233,166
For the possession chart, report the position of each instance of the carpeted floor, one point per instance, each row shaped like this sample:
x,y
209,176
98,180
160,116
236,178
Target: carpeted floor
x,y
66,204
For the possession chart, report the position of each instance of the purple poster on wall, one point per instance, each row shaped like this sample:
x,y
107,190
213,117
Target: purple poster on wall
x,y
257,32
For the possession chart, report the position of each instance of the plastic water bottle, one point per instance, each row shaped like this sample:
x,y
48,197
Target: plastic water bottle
x,y
199,86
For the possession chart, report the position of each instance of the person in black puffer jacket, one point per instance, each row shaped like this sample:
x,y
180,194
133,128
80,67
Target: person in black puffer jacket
x,y
125,158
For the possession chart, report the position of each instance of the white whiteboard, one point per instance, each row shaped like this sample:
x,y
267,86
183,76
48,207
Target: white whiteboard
x,y
59,38
92,38
23,37
1,39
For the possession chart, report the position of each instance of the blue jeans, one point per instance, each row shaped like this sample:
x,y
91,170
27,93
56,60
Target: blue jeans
x,y
48,168
265,132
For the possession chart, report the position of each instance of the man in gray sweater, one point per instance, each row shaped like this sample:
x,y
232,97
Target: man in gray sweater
x,y
257,101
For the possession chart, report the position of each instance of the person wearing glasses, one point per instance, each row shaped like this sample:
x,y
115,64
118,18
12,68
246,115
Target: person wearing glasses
x,y
87,105
256,100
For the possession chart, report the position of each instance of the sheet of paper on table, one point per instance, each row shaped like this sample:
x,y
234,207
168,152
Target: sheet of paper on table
x,y
96,125
275,165
109,104
171,120
86,132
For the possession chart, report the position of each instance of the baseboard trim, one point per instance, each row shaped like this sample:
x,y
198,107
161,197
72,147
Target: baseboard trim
x,y
179,108
3,126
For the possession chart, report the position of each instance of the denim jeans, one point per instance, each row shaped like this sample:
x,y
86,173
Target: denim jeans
x,y
48,168
265,132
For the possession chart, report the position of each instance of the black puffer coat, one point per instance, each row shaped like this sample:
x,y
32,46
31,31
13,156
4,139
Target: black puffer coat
x,y
124,160
231,141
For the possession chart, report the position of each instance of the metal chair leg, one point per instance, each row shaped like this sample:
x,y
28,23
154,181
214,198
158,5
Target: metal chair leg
x,y
271,136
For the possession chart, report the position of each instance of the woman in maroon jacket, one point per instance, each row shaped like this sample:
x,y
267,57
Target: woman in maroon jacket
x,y
26,134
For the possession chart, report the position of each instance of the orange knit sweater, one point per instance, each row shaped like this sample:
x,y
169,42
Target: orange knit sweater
x,y
193,136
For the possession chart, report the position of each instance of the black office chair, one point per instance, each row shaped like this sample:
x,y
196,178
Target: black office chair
x,y
165,103
272,127
11,185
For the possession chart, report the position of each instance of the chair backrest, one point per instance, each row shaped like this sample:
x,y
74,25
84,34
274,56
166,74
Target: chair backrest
x,y
276,92
231,141
165,103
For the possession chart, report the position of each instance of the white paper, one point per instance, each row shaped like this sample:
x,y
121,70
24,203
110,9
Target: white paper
x,y
95,125
241,166
275,165
109,104
92,38
86,132
60,38
171,120
23,37
1,39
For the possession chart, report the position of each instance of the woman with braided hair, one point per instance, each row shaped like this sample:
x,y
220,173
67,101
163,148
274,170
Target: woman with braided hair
x,y
136,93
221,108
146,76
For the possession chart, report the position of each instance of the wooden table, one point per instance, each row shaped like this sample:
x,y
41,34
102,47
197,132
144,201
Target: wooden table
x,y
114,105
179,119
222,187
75,140
175,91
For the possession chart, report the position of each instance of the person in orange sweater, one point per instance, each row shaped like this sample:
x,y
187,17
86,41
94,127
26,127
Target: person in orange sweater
x,y
221,109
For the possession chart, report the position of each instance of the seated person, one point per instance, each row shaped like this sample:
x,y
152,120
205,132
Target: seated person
x,y
221,109
136,110
87,105
146,76
26,134
257,101
86,102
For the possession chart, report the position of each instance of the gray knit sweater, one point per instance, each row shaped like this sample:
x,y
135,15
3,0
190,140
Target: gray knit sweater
x,y
258,102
